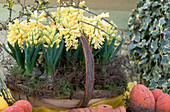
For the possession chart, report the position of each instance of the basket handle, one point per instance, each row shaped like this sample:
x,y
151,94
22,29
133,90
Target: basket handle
x,y
89,61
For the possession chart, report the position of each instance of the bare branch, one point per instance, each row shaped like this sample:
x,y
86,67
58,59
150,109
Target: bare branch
x,y
10,11
50,16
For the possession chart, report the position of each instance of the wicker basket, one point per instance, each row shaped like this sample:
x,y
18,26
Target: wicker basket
x,y
78,98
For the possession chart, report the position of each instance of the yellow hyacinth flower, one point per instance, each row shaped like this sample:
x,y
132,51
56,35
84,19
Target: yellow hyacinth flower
x,y
55,14
64,31
81,4
75,32
66,24
73,10
48,41
41,17
64,11
18,32
34,36
50,36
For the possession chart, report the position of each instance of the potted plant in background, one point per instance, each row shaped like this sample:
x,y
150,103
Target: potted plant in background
x,y
149,31
59,52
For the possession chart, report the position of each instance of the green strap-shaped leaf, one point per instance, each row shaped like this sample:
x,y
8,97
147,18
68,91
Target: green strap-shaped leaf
x,y
34,57
54,51
12,49
60,50
49,57
26,56
32,50
81,56
51,54
77,50
19,57
28,60
8,51
43,49
96,52
117,49
111,47
24,45
105,49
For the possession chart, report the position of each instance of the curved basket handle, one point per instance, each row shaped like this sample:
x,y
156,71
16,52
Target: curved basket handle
x,y
89,61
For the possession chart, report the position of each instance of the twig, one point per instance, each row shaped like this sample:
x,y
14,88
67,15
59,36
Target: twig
x,y
24,2
50,16
3,26
78,3
10,12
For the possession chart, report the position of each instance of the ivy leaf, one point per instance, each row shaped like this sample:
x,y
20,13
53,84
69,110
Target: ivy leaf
x,y
164,43
168,84
156,56
166,50
144,55
153,85
162,82
141,44
139,1
137,37
165,59
148,41
155,32
158,13
130,21
156,76
155,23
154,45
155,4
167,35
132,46
162,21
148,20
143,61
165,8
147,77
144,27
148,3
147,13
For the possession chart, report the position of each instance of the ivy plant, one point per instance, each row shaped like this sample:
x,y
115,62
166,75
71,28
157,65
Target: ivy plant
x,y
149,28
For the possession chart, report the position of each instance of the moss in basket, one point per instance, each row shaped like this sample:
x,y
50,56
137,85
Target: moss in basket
x,y
51,56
